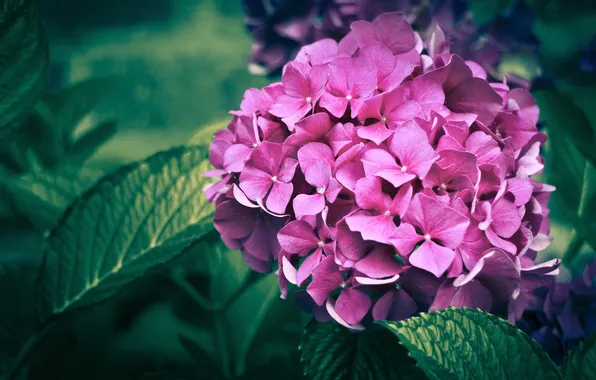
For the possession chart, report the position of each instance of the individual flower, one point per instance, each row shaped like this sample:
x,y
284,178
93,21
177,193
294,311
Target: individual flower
x,y
382,182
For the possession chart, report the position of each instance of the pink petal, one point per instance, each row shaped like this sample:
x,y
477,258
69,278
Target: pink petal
x,y
472,295
497,241
330,305
235,157
432,257
308,265
401,201
255,183
326,279
234,220
308,204
295,83
348,167
297,236
506,219
279,197
337,138
352,305
395,305
410,144
335,105
394,31
376,132
376,160
379,263
405,238
288,270
369,194
475,95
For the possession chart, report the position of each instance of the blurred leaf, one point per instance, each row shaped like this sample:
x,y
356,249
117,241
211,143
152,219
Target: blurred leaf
x,y
69,106
252,327
86,146
21,247
471,344
43,197
204,136
561,37
23,64
580,363
330,351
130,222
485,11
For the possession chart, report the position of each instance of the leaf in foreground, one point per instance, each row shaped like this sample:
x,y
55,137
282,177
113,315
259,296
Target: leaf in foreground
x,y
133,220
470,344
581,362
332,352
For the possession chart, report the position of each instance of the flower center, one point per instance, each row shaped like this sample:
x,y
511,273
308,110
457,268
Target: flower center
x,y
274,178
308,99
321,243
384,119
343,285
427,237
387,213
254,145
397,286
349,97
321,190
404,168
443,186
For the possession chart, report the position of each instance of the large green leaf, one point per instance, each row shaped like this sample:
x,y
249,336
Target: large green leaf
x,y
23,63
331,352
42,197
580,363
485,11
471,344
130,222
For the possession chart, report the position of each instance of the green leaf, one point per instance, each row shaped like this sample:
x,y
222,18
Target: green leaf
x,y
131,221
42,197
204,135
331,352
471,344
580,363
24,64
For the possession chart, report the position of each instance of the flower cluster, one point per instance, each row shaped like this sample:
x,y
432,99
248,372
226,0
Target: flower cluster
x,y
281,27
562,314
386,176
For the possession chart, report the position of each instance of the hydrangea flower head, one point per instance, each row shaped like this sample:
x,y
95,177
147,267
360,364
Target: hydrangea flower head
x,y
385,176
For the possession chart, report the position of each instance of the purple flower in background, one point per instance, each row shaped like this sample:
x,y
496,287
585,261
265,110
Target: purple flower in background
x,y
562,314
281,28
384,181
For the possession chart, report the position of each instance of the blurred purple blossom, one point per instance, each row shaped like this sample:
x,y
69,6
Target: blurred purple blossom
x,y
281,27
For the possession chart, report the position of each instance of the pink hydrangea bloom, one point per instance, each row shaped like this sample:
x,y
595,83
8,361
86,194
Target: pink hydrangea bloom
x,y
384,178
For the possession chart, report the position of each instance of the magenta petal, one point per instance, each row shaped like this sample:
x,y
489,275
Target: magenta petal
x,y
308,265
499,242
338,138
376,160
395,305
255,183
377,228
335,105
396,177
401,201
352,305
405,238
410,144
287,170
505,218
475,95
235,157
472,295
382,307
279,197
379,263
350,244
308,204
369,194
348,168
432,257
234,220
297,236
394,31
326,279
376,132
